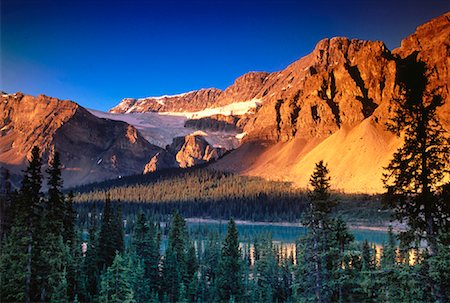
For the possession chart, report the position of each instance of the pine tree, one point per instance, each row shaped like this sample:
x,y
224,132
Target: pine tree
x,y
110,238
28,210
69,218
116,284
317,243
419,166
229,280
6,199
342,271
52,254
55,206
266,272
146,241
174,265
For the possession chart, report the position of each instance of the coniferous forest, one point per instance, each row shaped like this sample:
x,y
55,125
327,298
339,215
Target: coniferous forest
x,y
114,244
50,255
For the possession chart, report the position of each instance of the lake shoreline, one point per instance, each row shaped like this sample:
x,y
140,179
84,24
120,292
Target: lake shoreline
x,y
396,226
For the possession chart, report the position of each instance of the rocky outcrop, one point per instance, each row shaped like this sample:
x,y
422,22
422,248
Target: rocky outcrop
x,y
215,123
91,148
184,152
341,83
332,105
244,88
162,160
187,102
193,150
431,42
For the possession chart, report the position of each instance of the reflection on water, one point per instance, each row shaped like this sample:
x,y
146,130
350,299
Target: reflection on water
x,y
284,238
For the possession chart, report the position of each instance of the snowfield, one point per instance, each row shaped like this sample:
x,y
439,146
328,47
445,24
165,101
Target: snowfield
x,y
160,128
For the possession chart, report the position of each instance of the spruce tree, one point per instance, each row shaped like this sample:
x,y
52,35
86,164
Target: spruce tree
x,y
317,243
19,258
229,280
52,254
420,165
110,239
174,265
116,282
146,242
55,205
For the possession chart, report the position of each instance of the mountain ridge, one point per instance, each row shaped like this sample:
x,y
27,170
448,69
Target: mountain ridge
x,y
331,105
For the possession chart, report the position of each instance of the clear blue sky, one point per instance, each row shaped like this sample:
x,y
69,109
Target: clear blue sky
x,y
98,52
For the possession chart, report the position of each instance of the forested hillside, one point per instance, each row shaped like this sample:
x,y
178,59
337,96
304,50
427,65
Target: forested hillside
x,y
200,192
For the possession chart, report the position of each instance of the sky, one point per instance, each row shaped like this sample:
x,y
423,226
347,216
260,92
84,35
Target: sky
x,y
96,52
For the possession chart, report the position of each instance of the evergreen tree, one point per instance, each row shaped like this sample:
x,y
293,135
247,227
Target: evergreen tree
x,y
55,206
6,199
116,282
209,268
266,272
389,273
69,218
110,239
146,241
90,263
317,244
418,167
174,265
27,212
229,280
52,254
340,261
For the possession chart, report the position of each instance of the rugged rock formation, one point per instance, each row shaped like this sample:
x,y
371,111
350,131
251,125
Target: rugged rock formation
x,y
91,148
332,105
341,83
215,123
188,102
244,88
193,150
184,152
162,160
432,43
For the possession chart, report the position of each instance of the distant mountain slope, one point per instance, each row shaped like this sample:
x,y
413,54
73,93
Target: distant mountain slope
x,y
91,148
332,105
244,89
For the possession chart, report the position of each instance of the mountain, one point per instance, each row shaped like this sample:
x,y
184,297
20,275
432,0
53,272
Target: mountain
x,y
244,88
91,148
332,105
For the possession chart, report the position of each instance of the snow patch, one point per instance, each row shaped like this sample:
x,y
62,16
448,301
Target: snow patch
x,y
199,133
241,135
238,108
160,129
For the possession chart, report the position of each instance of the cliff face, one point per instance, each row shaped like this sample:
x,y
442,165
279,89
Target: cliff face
x,y
188,102
332,105
341,83
91,148
184,152
244,88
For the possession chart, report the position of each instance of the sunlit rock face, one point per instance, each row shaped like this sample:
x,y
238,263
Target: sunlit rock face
x,y
330,105
333,105
244,88
91,148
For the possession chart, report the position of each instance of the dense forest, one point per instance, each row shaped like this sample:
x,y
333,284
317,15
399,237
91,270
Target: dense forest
x,y
49,254
202,192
